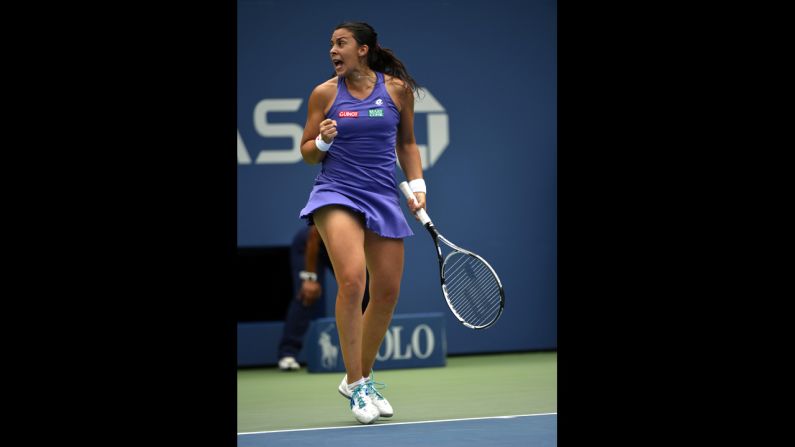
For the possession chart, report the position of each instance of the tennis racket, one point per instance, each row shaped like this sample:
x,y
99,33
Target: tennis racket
x,y
471,287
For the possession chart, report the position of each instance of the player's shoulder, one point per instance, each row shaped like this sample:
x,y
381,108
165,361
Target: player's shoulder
x,y
395,82
398,88
326,89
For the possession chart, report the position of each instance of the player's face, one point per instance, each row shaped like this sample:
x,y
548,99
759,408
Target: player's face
x,y
346,54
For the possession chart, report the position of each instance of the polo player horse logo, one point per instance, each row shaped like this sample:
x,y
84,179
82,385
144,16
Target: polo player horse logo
x,y
329,351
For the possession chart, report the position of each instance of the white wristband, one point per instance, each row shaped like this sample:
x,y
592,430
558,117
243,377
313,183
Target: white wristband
x,y
304,275
418,185
321,145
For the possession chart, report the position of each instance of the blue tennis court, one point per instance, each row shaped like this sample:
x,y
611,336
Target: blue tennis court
x,y
530,429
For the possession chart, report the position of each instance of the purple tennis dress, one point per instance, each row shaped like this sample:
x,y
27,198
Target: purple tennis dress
x,y
359,168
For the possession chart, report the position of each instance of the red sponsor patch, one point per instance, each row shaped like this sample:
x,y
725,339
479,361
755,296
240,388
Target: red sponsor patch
x,y
348,114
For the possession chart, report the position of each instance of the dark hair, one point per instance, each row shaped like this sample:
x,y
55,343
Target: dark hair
x,y
378,58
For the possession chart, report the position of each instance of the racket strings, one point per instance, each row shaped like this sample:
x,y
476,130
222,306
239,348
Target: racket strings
x,y
472,289
466,279
474,305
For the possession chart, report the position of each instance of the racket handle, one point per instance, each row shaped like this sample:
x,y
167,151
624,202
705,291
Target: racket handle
x,y
404,186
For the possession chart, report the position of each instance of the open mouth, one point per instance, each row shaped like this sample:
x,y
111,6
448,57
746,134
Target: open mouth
x,y
337,63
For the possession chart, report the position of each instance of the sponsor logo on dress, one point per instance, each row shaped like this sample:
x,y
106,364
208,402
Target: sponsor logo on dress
x,y
348,114
376,112
379,101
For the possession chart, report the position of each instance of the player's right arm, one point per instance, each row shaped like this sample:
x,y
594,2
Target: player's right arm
x,y
316,122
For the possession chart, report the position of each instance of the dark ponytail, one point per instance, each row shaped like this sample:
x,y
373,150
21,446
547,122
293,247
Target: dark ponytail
x,y
379,58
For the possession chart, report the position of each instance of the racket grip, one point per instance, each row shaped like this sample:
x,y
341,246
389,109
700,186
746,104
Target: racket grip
x,y
406,189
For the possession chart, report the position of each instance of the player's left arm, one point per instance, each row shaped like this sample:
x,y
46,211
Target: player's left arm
x,y
406,146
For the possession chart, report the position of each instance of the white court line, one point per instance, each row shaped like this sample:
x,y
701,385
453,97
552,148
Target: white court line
x,y
393,424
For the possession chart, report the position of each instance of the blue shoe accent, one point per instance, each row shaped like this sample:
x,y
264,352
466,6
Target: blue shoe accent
x,y
380,402
373,387
356,395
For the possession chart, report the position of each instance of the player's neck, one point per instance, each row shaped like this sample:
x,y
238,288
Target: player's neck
x,y
361,79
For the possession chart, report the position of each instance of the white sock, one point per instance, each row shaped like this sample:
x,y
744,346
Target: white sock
x,y
352,386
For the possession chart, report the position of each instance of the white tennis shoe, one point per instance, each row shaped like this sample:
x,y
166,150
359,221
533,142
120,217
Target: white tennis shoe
x,y
380,402
362,407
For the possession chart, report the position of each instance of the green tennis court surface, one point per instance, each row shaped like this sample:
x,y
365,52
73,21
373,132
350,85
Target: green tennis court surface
x,y
468,387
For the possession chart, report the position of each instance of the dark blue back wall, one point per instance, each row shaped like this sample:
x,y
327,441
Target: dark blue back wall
x,y
487,127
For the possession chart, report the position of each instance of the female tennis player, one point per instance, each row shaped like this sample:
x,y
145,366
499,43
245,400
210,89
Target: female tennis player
x,y
357,123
